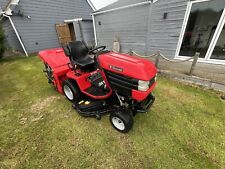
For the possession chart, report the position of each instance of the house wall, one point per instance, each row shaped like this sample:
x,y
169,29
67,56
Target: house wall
x,y
84,31
143,28
128,24
10,35
88,32
120,3
3,3
39,32
164,33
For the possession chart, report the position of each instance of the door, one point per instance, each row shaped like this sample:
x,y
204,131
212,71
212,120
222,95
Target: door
x,y
203,21
65,33
85,32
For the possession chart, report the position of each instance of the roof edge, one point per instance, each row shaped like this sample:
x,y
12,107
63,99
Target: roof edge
x,y
76,19
123,7
92,5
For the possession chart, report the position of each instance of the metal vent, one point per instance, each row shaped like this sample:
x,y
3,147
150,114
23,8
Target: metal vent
x,y
122,84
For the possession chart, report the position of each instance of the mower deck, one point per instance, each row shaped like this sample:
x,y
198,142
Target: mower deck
x,y
98,108
93,108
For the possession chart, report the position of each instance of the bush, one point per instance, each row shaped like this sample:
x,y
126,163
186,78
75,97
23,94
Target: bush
x,y
2,41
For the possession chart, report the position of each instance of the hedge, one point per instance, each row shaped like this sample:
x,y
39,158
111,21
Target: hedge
x,y
2,41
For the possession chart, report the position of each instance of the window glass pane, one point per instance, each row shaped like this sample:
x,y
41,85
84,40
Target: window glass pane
x,y
219,50
202,23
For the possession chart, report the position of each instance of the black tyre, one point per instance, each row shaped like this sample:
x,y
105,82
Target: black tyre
x,y
70,90
121,121
49,73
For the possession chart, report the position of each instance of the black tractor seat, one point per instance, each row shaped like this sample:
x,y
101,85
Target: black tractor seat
x,y
77,51
84,61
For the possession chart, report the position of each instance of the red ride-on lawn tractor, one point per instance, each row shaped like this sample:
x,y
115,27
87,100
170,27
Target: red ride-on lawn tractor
x,y
109,82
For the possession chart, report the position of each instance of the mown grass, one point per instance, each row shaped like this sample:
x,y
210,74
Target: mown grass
x,y
38,128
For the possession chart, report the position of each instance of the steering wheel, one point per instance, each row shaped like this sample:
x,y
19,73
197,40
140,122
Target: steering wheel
x,y
97,50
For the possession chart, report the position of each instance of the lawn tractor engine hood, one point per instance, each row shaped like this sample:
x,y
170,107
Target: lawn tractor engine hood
x,y
127,65
128,74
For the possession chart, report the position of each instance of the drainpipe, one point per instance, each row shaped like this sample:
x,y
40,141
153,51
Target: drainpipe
x,y
17,34
95,34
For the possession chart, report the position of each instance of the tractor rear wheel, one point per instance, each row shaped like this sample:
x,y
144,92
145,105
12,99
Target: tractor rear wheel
x,y
70,90
121,120
49,73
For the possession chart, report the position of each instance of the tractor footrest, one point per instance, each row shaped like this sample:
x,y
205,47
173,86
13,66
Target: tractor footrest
x,y
92,108
88,105
96,91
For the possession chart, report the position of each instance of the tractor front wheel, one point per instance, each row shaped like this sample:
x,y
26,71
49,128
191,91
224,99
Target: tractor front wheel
x,y
70,90
121,120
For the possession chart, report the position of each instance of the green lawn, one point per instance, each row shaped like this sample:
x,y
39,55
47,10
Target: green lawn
x,y
39,129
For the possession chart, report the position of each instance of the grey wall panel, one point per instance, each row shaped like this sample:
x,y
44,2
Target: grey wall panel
x,y
84,31
88,32
39,32
164,33
78,33
3,3
143,28
11,38
130,25
120,3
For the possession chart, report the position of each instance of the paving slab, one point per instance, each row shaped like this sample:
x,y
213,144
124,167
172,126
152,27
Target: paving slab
x,y
212,72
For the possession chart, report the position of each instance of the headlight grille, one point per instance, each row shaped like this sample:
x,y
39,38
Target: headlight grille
x,y
123,84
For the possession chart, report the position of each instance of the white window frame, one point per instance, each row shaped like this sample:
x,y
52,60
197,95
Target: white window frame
x,y
213,42
215,39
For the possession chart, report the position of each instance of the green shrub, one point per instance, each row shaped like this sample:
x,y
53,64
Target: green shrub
x,y
2,40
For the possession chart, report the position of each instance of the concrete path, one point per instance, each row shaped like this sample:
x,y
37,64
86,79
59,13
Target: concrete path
x,y
206,83
207,75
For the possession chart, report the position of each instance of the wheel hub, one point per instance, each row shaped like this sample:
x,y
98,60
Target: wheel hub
x,y
118,123
68,92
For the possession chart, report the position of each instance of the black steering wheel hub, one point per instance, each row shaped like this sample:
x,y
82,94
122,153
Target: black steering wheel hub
x,y
97,50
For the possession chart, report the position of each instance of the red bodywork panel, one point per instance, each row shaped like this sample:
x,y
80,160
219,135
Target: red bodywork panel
x,y
127,65
124,64
84,84
138,95
54,57
130,66
58,61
